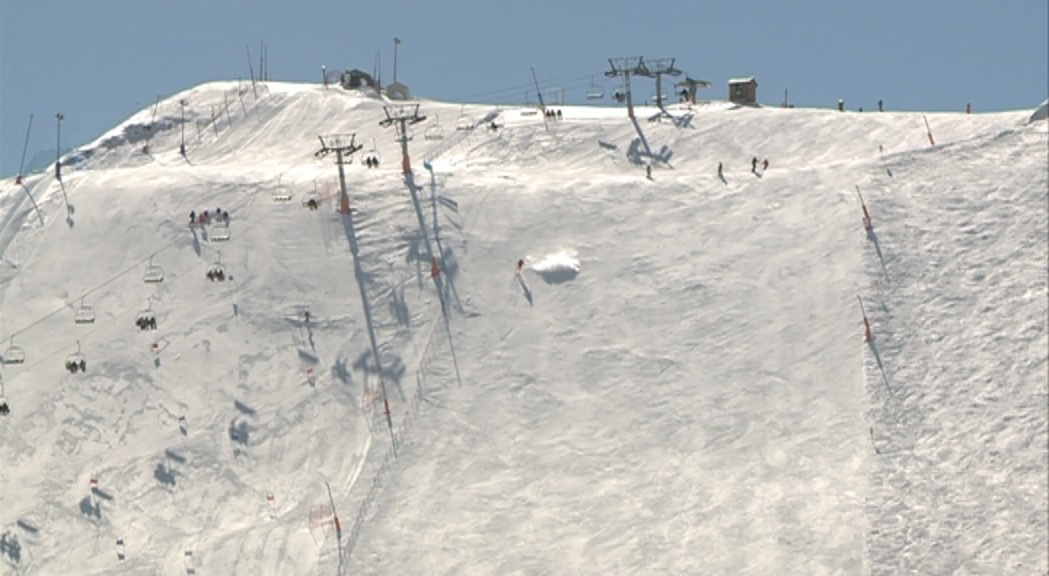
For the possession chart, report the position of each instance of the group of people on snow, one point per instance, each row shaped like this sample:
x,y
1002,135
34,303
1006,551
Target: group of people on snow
x,y
841,105
554,114
205,217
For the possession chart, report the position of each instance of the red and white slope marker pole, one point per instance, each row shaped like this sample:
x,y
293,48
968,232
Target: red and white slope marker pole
x,y
868,336
271,501
93,493
867,224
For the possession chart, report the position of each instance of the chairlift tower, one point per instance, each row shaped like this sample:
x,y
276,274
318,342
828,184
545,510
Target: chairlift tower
x,y
658,68
625,67
342,145
401,117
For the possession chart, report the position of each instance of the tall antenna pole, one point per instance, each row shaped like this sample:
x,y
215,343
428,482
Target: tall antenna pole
x,y
58,147
396,43
539,93
182,148
25,146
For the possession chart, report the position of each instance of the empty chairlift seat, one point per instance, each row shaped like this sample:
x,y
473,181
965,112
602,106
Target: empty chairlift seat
x,y
282,194
220,233
434,131
594,92
153,274
84,315
14,354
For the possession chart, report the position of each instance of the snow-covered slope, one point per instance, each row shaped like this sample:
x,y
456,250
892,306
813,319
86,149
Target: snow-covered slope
x,y
677,383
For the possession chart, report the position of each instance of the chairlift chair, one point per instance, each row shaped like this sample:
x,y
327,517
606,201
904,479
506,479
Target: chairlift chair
x,y
282,194
371,156
216,271
14,354
154,274
434,131
76,362
619,95
594,92
464,122
84,314
146,320
220,233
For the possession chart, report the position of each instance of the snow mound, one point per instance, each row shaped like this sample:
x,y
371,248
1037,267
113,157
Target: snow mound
x,y
557,267
1041,113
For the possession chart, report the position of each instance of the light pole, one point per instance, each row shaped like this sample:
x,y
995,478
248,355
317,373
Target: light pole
x,y
396,43
182,148
58,147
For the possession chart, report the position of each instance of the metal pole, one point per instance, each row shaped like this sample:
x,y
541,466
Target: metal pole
x,y
58,147
182,148
396,42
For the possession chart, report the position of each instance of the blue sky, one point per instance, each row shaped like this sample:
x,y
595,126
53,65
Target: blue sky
x,y
98,62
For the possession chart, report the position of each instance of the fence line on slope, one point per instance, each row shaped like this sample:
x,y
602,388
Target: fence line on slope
x,y
426,362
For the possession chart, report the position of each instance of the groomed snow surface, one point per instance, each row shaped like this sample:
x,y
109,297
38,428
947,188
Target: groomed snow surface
x,y
677,382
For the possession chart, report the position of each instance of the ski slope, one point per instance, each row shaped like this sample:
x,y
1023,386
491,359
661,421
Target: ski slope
x,y
677,382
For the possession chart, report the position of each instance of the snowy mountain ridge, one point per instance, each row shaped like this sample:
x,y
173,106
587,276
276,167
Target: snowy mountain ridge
x,y
677,381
